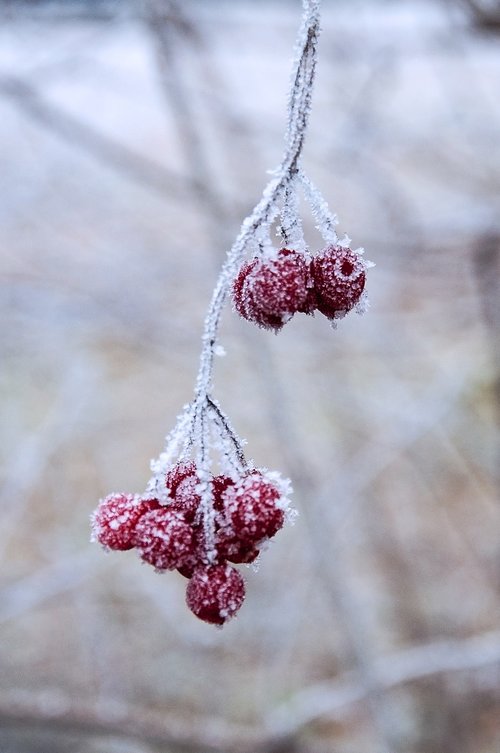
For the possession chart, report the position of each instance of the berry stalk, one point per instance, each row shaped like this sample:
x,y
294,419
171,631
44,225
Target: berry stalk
x,y
299,104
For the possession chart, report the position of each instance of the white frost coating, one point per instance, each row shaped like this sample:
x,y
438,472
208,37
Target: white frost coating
x,y
363,304
345,242
299,99
180,435
325,220
291,225
283,485
225,439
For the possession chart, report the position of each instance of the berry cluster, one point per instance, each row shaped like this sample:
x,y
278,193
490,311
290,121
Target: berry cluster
x,y
173,535
269,291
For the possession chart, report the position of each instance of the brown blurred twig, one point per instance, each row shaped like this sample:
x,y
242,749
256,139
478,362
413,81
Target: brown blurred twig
x,y
333,698
30,459
486,261
485,16
58,712
277,731
38,587
93,142
169,26
486,264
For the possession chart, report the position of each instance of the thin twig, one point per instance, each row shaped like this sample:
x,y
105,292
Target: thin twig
x,y
224,424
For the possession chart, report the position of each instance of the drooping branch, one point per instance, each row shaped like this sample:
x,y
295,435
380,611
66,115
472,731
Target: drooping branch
x,y
298,116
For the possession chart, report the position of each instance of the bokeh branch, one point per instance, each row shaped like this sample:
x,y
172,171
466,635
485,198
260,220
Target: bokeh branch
x,y
277,731
99,146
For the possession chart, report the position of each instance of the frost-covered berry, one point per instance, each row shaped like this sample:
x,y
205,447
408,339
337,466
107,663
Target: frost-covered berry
x,y
270,291
198,555
215,593
339,280
115,519
177,474
188,568
219,486
230,547
164,539
181,482
252,508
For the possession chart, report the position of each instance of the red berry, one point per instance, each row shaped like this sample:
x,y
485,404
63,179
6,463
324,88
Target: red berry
x,y
164,539
188,569
215,593
252,509
219,486
339,280
115,519
198,555
230,547
178,473
181,482
269,291
240,296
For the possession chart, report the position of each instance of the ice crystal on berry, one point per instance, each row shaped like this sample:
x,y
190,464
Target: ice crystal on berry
x,y
206,522
164,538
270,291
339,280
181,482
114,521
253,509
215,593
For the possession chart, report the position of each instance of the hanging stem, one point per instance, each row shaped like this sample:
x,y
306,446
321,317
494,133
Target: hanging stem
x,y
298,117
194,425
223,422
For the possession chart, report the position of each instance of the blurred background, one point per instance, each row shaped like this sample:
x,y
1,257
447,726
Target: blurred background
x,y
134,139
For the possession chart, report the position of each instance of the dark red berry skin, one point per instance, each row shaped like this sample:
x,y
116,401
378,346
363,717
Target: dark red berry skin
x,y
339,280
215,593
270,291
181,482
116,517
177,474
164,539
198,556
240,299
188,569
188,502
231,548
252,511
219,486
